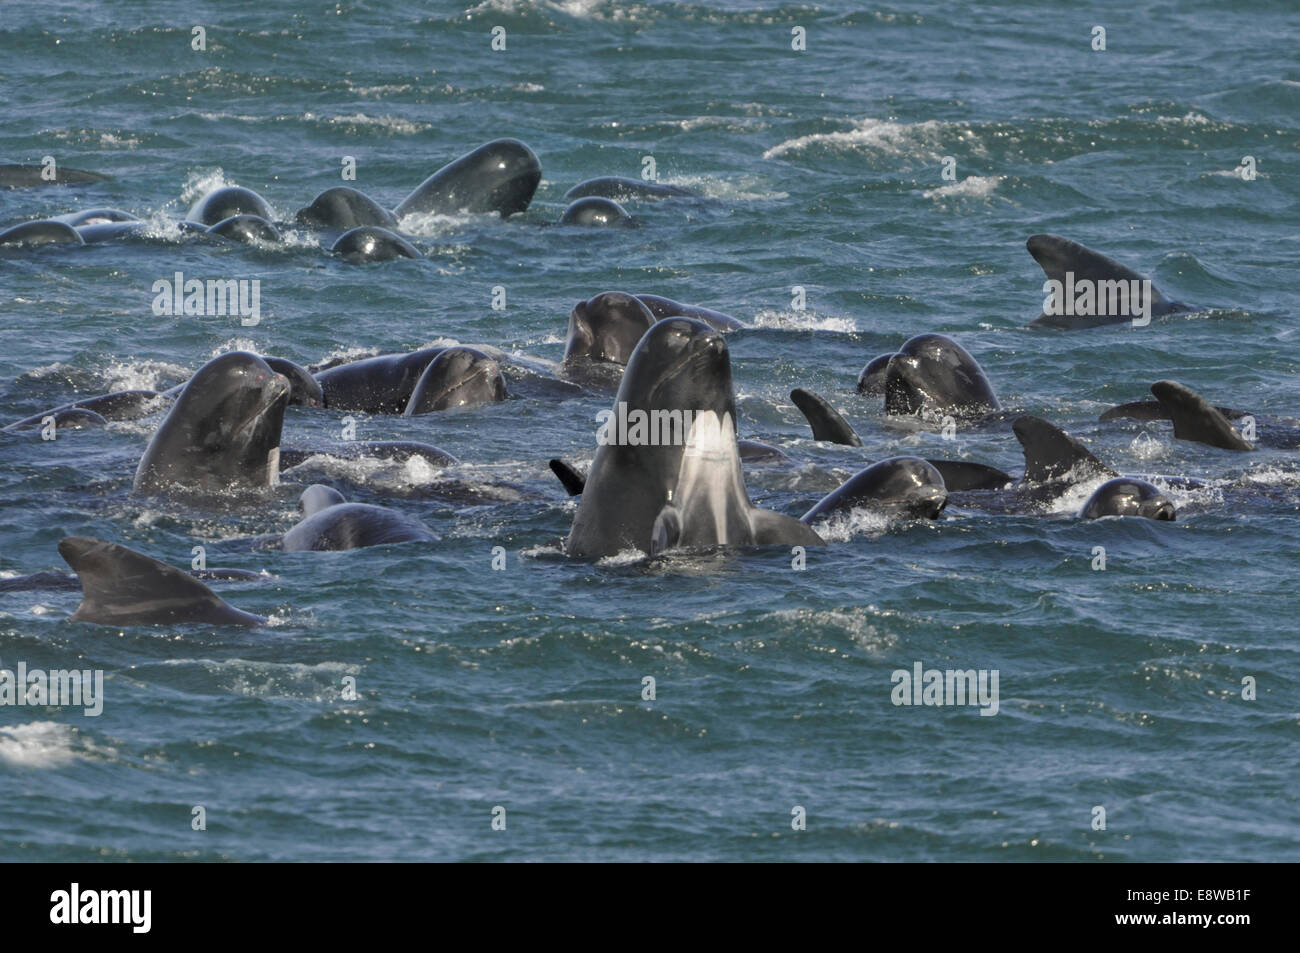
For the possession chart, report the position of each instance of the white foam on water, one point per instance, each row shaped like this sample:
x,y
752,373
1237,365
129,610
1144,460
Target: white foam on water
x,y
418,471
42,744
320,682
1071,501
802,321
391,124
578,9
237,117
1147,447
1233,173
1272,476
742,188
861,625
385,89
1187,119
436,225
726,123
349,354
234,344
199,184
878,135
113,141
625,557
973,186
555,548
1182,495
843,526
142,375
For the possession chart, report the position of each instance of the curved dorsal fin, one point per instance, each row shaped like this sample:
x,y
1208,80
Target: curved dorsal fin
x,y
825,420
1195,418
1051,454
122,587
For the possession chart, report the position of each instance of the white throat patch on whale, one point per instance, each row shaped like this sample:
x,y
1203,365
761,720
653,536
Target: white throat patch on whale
x,y
710,506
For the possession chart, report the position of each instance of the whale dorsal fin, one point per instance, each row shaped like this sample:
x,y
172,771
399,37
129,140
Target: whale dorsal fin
x,y
122,587
1195,418
825,420
1058,256
1051,454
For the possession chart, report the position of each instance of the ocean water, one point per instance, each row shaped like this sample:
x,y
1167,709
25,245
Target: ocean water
x,y
522,689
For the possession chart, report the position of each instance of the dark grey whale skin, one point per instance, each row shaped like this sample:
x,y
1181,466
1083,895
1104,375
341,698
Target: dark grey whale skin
x,y
376,385
343,207
594,212
370,243
1128,496
668,308
331,523
40,232
120,586
606,328
1057,256
499,176
900,486
222,434
458,377
227,202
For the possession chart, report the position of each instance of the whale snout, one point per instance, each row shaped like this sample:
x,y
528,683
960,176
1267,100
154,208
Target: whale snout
x,y
928,502
274,386
1165,511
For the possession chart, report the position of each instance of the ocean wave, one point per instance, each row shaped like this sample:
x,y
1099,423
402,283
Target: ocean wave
x,y
743,188
862,625
577,9
392,124
319,682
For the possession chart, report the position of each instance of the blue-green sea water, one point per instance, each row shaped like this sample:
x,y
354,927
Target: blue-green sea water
x,y
522,688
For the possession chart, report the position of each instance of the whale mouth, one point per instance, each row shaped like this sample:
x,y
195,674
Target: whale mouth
x,y
1165,511
514,193
274,389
